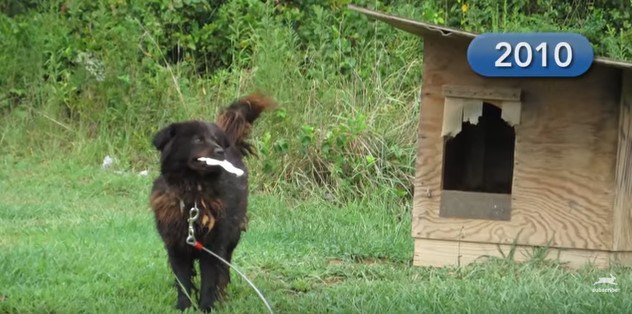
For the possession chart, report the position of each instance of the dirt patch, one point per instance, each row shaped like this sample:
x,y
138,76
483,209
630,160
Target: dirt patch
x,y
335,262
365,260
332,280
371,260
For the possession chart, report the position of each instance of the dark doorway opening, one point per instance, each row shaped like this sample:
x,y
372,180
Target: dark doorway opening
x,y
481,157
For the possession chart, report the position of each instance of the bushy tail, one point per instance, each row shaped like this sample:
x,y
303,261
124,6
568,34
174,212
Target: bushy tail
x,y
237,119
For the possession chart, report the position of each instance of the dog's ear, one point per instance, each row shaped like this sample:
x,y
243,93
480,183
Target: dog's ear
x,y
223,140
164,136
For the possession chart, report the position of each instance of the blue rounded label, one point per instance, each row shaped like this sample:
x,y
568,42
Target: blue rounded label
x,y
530,54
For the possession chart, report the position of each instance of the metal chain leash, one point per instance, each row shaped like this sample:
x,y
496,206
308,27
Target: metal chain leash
x,y
194,213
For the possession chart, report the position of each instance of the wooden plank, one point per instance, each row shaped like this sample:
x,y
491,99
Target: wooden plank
x,y
614,63
472,111
412,26
474,205
566,146
622,238
479,92
441,253
511,112
452,117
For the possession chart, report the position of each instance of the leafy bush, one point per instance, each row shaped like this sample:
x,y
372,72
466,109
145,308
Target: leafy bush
x,y
93,78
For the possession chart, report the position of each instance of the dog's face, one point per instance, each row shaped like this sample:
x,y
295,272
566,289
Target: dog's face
x,y
181,144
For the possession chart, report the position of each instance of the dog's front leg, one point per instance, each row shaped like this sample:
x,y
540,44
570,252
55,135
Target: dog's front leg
x,y
182,267
214,277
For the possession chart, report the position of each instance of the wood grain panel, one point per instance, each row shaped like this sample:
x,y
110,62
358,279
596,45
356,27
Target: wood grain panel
x,y
472,205
566,146
623,199
512,94
440,253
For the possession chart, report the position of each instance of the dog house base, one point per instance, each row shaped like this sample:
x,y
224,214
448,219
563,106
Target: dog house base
x,y
439,253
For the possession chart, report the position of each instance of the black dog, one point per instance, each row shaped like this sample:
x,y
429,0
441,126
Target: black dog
x,y
221,197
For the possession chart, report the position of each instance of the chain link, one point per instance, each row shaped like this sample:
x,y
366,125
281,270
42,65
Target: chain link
x,y
193,216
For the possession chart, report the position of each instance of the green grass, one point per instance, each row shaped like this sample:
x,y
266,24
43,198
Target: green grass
x,y
77,239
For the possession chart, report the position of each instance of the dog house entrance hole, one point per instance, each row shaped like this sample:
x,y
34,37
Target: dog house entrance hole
x,y
478,169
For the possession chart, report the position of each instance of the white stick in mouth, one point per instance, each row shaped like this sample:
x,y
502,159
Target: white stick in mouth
x,y
224,164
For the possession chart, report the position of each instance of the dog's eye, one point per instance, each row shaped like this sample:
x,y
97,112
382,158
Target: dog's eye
x,y
197,139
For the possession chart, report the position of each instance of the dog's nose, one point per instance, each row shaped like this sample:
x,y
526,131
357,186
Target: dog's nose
x,y
218,151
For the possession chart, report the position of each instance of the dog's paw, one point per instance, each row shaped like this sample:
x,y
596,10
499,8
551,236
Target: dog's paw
x,y
206,306
183,304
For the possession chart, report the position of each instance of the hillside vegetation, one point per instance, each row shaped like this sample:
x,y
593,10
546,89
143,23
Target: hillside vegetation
x,y
84,79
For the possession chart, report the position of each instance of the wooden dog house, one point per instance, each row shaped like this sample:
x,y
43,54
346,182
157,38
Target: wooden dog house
x,y
522,162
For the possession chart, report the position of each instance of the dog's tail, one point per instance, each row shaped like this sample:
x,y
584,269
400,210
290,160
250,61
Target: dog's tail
x,y
237,119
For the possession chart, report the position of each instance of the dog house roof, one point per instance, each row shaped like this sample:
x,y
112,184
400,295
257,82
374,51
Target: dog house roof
x,y
422,29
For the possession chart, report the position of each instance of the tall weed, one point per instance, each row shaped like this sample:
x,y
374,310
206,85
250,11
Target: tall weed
x,y
87,79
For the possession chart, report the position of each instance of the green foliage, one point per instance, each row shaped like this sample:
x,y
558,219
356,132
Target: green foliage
x,y
593,19
90,78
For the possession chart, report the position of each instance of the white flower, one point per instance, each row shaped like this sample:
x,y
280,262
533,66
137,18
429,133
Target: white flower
x,y
92,65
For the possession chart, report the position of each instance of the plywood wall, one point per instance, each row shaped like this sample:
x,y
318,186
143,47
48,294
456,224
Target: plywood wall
x,y
564,169
623,186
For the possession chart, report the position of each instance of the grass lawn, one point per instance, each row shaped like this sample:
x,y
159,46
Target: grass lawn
x,y
77,239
